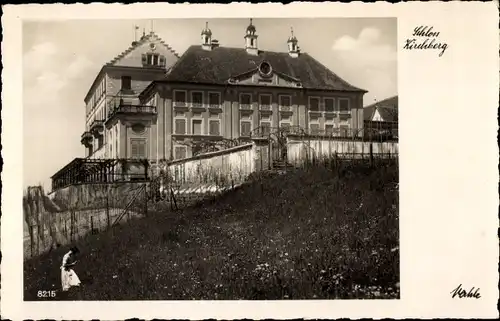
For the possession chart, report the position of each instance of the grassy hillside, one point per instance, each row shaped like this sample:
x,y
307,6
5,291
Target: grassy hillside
x,y
312,233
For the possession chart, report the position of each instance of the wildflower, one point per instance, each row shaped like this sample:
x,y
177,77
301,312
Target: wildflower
x,y
322,271
286,254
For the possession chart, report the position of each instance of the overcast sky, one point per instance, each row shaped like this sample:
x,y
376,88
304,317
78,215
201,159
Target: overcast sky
x,y
61,60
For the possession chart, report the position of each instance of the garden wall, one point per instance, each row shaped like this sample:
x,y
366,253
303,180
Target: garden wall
x,y
300,149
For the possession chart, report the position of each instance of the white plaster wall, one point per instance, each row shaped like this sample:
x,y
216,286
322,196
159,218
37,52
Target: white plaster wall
x,y
297,148
222,168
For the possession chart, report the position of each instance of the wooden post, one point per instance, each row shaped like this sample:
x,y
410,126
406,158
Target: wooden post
x,y
371,154
107,206
269,158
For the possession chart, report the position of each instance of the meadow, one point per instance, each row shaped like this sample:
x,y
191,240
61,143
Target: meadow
x,y
321,232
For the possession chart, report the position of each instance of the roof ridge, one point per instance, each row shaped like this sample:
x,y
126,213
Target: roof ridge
x,y
328,69
377,103
138,43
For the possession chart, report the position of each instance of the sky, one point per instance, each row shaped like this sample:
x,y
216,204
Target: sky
x,y
62,58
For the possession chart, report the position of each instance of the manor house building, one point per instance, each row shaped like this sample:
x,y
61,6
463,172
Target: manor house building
x,y
150,103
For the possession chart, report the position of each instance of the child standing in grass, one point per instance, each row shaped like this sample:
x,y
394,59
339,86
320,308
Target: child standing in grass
x,y
68,276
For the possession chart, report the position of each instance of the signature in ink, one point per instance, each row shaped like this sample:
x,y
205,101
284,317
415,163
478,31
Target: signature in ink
x,y
462,293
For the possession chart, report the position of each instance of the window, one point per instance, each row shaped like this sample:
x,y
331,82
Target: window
x,y
245,101
180,126
314,128
265,127
265,102
126,83
344,105
214,127
344,130
214,100
138,148
179,98
197,127
329,129
153,59
285,102
100,142
245,128
329,105
180,152
116,141
313,104
197,98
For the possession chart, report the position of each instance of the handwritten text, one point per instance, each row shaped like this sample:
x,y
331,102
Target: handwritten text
x,y
424,37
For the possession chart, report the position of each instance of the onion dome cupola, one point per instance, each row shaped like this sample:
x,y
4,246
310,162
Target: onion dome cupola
x,y
251,40
293,47
206,38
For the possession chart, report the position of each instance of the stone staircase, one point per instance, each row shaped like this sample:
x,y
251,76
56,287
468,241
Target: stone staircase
x,y
281,165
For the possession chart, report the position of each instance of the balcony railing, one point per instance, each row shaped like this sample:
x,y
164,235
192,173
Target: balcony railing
x,y
246,106
179,104
132,109
197,105
285,108
215,106
265,107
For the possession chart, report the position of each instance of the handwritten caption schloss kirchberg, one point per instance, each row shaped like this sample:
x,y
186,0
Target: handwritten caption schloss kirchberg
x,y
425,38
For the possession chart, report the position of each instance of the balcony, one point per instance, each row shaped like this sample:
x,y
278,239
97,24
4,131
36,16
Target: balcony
x,y
215,107
197,107
87,138
124,106
180,105
97,127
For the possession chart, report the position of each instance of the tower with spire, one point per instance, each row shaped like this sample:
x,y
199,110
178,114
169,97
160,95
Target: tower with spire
x,y
293,48
206,38
251,40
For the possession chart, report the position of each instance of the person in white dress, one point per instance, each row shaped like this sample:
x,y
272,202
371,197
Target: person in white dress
x,y
68,276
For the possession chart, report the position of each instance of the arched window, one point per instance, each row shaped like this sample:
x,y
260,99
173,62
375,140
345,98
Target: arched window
x,y
251,42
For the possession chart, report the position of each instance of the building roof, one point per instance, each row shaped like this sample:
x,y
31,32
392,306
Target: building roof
x,y
387,108
218,65
145,38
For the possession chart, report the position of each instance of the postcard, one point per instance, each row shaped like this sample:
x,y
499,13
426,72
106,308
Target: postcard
x,y
242,160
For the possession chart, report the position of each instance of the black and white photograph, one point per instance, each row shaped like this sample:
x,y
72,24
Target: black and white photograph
x,y
216,159
250,161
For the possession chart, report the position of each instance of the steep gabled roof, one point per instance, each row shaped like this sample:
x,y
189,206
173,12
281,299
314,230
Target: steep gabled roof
x,y
145,38
136,44
218,65
387,108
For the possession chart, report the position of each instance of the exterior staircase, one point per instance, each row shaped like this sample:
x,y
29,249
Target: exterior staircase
x,y
281,165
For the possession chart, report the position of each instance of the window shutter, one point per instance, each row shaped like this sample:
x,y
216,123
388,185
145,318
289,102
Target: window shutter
x,y
180,126
245,128
214,127
162,61
144,59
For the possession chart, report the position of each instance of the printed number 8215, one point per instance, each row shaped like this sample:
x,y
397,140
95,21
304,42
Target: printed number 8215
x,y
46,294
